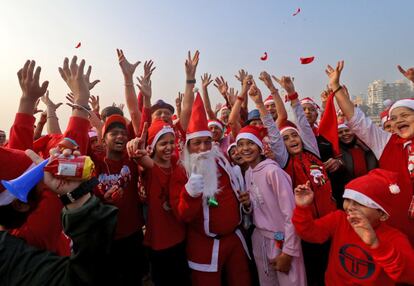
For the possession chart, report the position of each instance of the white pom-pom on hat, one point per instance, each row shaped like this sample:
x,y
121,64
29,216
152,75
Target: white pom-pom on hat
x,y
394,189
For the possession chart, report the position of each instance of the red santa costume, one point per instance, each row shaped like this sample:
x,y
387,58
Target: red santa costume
x,y
351,261
211,210
393,154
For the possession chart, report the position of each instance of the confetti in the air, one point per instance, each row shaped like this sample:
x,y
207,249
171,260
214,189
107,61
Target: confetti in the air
x,y
305,61
297,12
78,45
264,57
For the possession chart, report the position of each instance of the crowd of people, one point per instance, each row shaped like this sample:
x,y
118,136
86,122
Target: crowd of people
x,y
191,195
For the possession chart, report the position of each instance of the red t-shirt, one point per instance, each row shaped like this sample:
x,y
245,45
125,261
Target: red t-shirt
x,y
163,229
351,261
123,173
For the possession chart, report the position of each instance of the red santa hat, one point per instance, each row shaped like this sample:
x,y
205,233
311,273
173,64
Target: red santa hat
x,y
13,163
376,190
115,118
268,100
288,125
198,126
406,102
384,117
309,101
342,125
216,123
156,130
253,133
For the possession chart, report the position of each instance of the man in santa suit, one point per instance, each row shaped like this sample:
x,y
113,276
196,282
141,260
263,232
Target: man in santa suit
x,y
207,195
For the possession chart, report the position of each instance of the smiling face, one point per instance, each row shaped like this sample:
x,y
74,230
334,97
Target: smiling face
x,y
402,119
310,112
292,141
200,144
249,151
271,108
116,139
164,148
346,136
235,156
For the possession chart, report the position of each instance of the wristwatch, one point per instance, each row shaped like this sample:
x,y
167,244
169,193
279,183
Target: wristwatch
x,y
83,189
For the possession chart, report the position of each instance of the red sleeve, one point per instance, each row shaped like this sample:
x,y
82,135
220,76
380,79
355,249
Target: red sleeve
x,y
145,117
78,130
22,131
185,207
314,231
396,256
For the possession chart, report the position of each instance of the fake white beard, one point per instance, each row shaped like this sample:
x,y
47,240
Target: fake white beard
x,y
203,164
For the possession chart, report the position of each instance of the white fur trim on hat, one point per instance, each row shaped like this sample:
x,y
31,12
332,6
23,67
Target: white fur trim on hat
x,y
234,144
203,133
6,198
309,101
340,126
403,103
251,137
164,130
362,199
268,101
92,134
284,129
216,123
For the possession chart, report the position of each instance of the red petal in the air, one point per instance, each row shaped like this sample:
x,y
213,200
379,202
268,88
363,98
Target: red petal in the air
x,y
264,57
305,61
78,45
297,12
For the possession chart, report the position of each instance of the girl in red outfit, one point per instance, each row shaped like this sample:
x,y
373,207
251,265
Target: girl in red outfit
x,y
164,234
364,250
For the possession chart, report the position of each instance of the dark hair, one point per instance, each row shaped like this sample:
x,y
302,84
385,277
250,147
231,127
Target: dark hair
x,y
114,125
110,110
10,218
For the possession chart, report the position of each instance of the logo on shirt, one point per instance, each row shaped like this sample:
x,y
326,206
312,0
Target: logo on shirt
x,y
356,261
106,181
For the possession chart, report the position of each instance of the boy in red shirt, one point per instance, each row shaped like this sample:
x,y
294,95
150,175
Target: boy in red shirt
x,y
364,250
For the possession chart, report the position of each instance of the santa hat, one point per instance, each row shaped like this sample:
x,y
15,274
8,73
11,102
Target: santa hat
x,y
92,133
216,123
253,133
234,144
384,116
156,130
13,163
198,126
288,125
309,101
328,124
224,107
376,190
407,102
342,125
115,118
268,100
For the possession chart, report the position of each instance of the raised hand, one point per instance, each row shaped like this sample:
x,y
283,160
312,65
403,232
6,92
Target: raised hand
x,y
94,102
221,85
267,80
136,147
49,103
241,76
232,95
303,195
409,74
127,68
286,83
144,85
148,69
76,79
191,65
206,80
362,227
334,74
29,83
255,94
87,78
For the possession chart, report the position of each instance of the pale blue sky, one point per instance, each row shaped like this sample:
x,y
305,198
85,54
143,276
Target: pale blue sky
x,y
371,36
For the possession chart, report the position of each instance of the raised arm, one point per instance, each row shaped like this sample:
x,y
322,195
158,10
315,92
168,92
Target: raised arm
x,y
52,119
178,103
190,72
205,82
128,70
409,74
223,88
275,139
280,107
234,117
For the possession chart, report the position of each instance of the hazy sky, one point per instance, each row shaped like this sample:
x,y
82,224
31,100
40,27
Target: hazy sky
x,y
371,36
